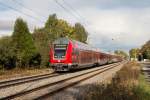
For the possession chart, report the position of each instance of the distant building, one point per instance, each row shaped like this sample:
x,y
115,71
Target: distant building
x,y
146,60
133,59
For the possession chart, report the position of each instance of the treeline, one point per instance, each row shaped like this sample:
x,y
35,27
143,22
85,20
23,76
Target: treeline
x,y
121,53
25,49
145,50
142,53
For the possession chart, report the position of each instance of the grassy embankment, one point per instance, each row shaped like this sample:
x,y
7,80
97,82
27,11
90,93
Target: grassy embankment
x,y
128,84
18,72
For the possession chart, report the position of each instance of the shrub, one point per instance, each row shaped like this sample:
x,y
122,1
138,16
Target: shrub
x,y
127,84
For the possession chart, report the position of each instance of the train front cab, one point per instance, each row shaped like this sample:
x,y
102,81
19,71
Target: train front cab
x,y
60,55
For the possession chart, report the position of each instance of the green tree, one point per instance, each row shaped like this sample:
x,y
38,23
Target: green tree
x,y
58,27
55,28
7,55
42,41
145,50
23,42
51,21
134,53
50,27
43,37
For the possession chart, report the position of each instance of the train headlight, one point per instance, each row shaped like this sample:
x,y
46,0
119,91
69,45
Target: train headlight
x,y
69,64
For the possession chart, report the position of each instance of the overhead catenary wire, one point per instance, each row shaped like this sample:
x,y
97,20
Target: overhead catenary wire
x,y
29,9
75,11
26,14
68,11
35,18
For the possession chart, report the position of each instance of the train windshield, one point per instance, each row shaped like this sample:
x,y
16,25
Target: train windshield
x,y
60,50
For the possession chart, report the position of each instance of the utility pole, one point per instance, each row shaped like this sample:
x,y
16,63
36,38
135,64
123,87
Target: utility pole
x,y
135,55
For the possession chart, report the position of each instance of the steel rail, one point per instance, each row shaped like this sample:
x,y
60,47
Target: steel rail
x,y
14,82
107,67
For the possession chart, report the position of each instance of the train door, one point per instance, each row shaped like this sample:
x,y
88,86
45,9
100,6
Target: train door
x,y
75,56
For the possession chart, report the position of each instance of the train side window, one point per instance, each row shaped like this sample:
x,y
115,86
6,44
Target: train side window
x,y
73,51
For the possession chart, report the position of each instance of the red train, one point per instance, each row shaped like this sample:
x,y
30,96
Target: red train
x,y
67,54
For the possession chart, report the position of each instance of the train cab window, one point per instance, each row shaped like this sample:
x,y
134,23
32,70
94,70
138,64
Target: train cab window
x,y
60,51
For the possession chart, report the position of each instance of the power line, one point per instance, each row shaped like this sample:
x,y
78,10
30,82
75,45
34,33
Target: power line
x,y
73,9
3,4
39,14
68,11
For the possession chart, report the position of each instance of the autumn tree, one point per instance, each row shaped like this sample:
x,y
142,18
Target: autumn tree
x,y
64,29
24,49
58,27
134,53
55,28
80,33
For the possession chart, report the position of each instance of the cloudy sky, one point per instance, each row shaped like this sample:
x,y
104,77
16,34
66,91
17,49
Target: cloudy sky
x,y
112,24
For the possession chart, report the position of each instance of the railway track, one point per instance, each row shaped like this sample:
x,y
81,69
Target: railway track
x,y
13,82
50,88
146,70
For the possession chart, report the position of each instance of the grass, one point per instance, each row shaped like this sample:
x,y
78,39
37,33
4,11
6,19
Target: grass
x,y
128,84
142,91
18,72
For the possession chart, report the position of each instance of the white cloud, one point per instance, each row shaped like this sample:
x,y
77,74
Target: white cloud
x,y
111,24
5,33
128,28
